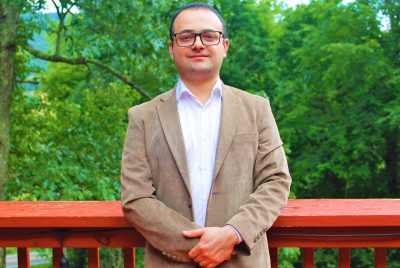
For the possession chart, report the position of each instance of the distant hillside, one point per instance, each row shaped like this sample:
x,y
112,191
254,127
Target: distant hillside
x,y
39,39
39,42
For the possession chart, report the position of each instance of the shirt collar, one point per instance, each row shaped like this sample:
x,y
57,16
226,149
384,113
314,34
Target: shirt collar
x,y
182,89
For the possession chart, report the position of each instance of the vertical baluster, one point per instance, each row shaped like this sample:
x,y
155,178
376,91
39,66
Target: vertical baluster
x,y
273,253
129,257
93,258
308,257
23,257
344,258
57,254
380,257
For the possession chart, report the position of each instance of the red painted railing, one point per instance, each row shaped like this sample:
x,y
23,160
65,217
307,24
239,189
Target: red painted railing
x,y
307,224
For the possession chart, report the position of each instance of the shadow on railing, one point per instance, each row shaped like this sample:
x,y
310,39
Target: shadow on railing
x,y
306,224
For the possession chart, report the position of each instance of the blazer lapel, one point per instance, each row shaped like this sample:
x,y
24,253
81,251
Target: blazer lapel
x,y
170,123
229,122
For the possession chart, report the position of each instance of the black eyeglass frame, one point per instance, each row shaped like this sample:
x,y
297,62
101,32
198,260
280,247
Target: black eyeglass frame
x,y
199,35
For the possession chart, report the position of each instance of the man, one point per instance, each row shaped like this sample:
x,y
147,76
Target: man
x,y
204,175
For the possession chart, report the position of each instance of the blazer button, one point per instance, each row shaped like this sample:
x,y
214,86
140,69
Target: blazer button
x,y
189,203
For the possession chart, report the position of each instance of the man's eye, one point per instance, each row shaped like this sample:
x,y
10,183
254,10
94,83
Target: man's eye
x,y
210,36
184,37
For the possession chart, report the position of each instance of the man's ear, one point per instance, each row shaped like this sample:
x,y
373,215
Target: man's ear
x,y
226,46
170,48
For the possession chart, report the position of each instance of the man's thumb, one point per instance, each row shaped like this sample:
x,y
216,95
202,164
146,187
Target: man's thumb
x,y
194,233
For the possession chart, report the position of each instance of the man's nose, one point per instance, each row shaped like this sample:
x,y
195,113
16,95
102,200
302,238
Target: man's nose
x,y
197,42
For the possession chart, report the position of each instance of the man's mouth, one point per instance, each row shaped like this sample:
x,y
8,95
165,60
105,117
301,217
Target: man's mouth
x,y
198,56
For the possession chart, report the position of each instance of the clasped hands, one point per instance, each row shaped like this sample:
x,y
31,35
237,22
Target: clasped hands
x,y
216,245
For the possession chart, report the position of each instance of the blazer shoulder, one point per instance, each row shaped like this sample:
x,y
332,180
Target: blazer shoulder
x,y
246,96
250,101
149,106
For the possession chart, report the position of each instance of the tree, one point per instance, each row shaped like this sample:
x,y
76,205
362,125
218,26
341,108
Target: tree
x,y
8,31
16,31
332,73
336,92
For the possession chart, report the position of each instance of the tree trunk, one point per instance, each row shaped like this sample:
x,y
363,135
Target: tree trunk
x,y
8,28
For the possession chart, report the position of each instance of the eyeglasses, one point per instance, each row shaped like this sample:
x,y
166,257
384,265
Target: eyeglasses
x,y
209,38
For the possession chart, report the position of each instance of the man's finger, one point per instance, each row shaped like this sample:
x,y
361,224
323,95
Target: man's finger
x,y
194,233
205,263
194,252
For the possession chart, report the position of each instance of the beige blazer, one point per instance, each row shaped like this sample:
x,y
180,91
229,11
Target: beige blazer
x,y
250,185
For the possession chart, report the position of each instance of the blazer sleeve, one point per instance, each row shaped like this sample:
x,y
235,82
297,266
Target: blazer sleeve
x,y
161,226
271,184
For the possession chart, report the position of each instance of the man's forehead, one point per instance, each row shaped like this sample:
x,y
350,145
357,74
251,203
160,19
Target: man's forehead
x,y
197,20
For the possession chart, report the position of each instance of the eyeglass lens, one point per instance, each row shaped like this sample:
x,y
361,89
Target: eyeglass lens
x,y
207,38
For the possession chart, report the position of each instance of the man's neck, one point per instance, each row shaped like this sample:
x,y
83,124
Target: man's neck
x,y
201,89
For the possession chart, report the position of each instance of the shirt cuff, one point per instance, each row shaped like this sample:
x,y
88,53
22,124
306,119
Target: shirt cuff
x,y
237,233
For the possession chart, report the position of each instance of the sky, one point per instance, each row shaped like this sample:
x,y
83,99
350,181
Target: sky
x,y
293,3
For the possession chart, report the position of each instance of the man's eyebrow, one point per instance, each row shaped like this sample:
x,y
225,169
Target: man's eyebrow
x,y
187,31
192,31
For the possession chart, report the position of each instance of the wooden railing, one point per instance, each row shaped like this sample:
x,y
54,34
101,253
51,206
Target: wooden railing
x,y
307,224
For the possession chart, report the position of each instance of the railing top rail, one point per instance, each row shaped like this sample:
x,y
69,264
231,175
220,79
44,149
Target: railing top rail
x,y
108,214
340,213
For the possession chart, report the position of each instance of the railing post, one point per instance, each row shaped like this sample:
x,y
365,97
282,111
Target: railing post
x,y
93,258
57,254
308,257
344,258
129,257
273,253
380,257
23,257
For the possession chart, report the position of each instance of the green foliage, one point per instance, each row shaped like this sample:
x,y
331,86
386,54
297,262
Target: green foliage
x,y
249,26
138,46
67,138
332,87
140,258
288,257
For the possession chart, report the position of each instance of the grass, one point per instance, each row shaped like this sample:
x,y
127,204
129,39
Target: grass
x,y
43,265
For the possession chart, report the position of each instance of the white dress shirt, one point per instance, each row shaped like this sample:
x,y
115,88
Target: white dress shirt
x,y
200,127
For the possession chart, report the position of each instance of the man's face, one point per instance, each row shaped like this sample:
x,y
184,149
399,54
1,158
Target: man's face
x,y
198,61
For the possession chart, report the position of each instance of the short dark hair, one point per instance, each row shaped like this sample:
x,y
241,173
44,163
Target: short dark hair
x,y
196,5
